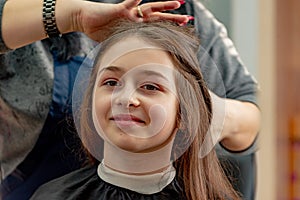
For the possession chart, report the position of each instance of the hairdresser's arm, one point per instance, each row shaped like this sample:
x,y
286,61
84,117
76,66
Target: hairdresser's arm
x,y
238,122
22,20
227,77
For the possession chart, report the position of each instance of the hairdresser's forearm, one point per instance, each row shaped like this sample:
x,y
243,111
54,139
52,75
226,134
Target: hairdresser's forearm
x,y
241,125
22,21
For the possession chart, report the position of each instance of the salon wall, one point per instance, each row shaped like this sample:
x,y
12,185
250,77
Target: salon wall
x,y
288,98
268,171
267,36
280,79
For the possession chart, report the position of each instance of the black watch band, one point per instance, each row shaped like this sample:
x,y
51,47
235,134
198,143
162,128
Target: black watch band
x,y
49,20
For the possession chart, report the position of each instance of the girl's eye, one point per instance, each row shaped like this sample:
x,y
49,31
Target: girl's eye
x,y
150,87
112,83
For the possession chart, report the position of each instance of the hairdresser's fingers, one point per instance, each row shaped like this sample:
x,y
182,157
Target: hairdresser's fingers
x,y
149,8
180,19
154,11
150,11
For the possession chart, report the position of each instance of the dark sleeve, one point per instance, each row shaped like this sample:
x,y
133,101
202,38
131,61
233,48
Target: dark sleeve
x,y
220,63
223,151
3,47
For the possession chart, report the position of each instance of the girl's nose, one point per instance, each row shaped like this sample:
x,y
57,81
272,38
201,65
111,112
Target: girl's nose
x,y
126,96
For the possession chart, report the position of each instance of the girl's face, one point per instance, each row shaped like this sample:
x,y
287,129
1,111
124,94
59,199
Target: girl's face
x,y
135,103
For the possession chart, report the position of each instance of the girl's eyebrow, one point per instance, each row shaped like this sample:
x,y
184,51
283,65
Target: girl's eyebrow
x,y
120,70
112,68
154,73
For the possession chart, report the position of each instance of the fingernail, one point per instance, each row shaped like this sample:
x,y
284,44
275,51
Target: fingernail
x,y
181,1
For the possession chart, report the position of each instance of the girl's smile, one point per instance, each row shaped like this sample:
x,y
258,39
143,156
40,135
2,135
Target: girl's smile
x,y
127,120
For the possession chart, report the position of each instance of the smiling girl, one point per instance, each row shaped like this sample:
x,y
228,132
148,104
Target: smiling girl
x,y
148,105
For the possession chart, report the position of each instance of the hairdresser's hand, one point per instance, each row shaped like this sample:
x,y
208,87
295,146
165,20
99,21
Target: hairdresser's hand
x,y
22,21
96,19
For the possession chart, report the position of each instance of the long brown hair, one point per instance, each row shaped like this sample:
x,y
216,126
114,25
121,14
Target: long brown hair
x,y
202,178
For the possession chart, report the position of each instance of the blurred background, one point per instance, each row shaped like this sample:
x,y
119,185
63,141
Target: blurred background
x,y
266,33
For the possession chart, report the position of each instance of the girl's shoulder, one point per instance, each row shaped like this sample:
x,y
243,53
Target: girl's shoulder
x,y
68,186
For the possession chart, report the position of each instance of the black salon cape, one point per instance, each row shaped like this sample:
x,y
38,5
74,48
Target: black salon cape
x,y
85,184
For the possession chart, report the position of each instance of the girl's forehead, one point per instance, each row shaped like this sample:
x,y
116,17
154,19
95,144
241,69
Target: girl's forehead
x,y
124,47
